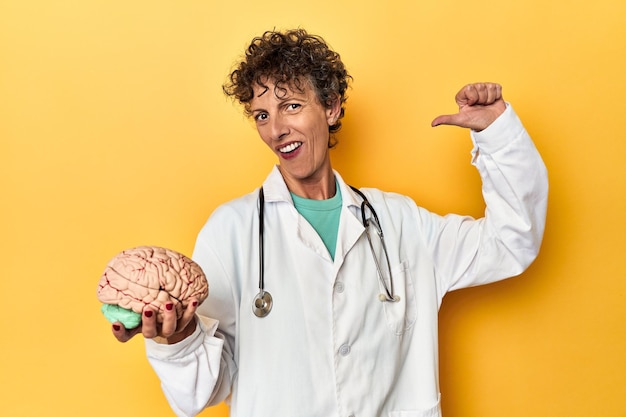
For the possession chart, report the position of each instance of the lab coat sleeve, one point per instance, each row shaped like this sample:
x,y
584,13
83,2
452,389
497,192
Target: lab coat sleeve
x,y
198,371
189,370
506,240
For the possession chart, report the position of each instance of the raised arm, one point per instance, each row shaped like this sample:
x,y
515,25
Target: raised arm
x,y
506,240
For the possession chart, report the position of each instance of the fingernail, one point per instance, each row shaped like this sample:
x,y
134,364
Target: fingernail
x,y
194,303
116,327
148,313
169,306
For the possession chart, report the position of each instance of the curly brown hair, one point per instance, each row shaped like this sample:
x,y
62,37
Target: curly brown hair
x,y
290,59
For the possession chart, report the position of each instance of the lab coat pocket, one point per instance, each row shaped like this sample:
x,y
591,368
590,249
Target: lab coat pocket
x,y
401,314
434,411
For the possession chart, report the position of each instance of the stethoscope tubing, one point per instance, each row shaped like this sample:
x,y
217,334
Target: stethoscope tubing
x,y
263,302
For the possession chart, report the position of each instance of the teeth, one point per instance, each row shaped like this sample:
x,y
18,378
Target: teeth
x,y
290,148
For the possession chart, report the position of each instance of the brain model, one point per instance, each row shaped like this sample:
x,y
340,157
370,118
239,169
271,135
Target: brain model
x,y
149,275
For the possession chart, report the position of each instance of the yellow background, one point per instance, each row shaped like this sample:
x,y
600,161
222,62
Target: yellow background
x,y
114,133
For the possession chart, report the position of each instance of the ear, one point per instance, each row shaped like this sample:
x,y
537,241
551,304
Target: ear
x,y
333,112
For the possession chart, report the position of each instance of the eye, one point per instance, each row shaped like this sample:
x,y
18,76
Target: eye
x,y
293,106
261,116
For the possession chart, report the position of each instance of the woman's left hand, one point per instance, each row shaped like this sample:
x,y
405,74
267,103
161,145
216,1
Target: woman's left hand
x,y
480,104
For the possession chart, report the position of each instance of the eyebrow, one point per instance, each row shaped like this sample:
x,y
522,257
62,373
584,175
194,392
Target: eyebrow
x,y
293,96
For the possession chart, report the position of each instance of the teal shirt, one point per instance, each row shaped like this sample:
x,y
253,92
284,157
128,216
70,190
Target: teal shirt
x,y
323,215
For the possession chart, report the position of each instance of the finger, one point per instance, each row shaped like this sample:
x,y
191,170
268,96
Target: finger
x,y
149,323
484,91
447,119
186,325
168,327
188,314
467,96
498,92
488,93
122,334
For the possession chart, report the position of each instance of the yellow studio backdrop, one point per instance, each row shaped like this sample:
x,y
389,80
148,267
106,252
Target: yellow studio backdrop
x,y
114,132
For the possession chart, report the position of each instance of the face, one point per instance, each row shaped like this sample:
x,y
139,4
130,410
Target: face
x,y
295,128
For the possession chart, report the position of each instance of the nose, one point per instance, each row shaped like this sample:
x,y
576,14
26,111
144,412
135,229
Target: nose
x,y
279,128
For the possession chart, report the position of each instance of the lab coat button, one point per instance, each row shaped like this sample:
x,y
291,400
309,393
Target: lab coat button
x,y
339,287
344,350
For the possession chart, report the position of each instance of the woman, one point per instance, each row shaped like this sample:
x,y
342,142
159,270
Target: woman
x,y
351,327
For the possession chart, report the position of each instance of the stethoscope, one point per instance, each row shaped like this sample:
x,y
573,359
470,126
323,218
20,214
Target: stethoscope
x,y
263,302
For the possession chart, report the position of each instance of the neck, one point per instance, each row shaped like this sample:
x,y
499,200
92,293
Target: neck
x,y
321,188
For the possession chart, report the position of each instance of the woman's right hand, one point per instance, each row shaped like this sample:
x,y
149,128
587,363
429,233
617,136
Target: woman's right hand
x,y
170,331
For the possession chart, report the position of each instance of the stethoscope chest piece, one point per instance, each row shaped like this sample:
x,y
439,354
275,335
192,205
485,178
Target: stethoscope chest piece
x,y
262,304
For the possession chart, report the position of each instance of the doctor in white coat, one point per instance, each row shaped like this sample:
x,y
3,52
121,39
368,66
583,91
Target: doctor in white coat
x,y
311,312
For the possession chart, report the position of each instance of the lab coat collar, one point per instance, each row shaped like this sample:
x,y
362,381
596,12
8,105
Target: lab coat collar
x,y
350,226
275,189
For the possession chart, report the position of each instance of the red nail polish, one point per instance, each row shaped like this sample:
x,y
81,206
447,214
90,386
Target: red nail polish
x,y
169,306
195,303
148,313
116,327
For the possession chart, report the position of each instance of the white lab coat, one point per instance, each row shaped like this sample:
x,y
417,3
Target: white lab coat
x,y
329,347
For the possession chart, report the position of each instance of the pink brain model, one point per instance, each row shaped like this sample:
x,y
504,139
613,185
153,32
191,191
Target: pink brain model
x,y
150,275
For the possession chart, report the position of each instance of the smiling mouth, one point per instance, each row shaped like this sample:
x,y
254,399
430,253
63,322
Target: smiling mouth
x,y
290,148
